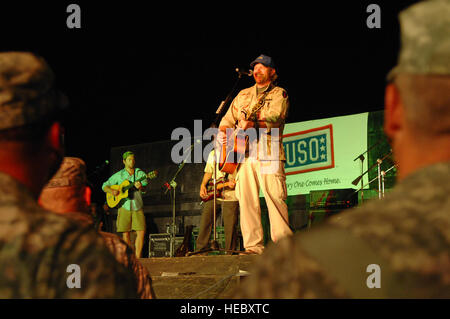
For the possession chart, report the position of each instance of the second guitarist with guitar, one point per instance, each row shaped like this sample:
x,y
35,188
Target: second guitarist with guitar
x,y
130,215
226,200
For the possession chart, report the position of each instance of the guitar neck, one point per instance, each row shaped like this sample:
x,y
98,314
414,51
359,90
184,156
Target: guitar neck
x,y
257,106
149,175
219,185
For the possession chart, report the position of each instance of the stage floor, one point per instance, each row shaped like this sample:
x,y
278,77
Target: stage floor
x,y
196,277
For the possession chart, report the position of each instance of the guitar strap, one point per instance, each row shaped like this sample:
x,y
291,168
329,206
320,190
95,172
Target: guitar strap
x,y
259,104
132,189
257,107
262,101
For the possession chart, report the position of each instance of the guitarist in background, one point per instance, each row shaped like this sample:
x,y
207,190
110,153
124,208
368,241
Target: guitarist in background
x,y
130,215
262,106
228,203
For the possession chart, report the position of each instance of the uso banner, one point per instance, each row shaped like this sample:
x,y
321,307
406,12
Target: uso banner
x,y
320,153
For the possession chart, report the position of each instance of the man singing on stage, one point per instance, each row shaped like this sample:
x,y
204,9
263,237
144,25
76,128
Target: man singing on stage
x,y
130,215
262,106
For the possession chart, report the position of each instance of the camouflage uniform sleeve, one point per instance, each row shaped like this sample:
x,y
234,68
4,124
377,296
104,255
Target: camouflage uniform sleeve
x,y
286,271
144,281
101,276
275,115
125,255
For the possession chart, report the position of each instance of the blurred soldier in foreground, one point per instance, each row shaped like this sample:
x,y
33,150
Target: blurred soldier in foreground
x,y
42,254
67,193
398,247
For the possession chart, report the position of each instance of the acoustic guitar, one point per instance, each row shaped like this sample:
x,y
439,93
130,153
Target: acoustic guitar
x,y
231,157
124,189
220,185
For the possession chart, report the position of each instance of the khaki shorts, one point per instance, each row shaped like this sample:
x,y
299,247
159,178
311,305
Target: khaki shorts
x,y
130,220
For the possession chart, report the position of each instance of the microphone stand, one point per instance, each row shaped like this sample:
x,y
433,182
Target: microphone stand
x,y
356,181
361,157
383,173
379,177
214,244
378,163
172,185
220,112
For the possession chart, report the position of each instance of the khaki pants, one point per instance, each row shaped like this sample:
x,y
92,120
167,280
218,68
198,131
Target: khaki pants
x,y
270,177
230,211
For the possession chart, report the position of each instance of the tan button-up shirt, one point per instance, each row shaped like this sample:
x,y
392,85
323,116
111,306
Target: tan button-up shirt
x,y
271,115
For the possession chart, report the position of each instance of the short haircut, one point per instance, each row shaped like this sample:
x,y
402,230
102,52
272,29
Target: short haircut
x,y
126,154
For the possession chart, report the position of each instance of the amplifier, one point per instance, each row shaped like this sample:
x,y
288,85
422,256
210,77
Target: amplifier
x,y
159,244
316,216
333,199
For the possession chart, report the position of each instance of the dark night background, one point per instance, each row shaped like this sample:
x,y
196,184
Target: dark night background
x,y
135,72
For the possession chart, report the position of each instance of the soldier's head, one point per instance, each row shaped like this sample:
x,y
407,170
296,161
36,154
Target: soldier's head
x,y
417,97
68,191
30,113
263,70
128,160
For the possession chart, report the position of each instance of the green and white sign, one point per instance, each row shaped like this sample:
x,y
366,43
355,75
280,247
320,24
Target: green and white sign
x,y
320,154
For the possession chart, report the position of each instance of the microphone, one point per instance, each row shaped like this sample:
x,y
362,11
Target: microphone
x,y
99,168
244,72
106,162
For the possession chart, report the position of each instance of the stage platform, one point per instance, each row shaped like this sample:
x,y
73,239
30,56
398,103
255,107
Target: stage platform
x,y
197,277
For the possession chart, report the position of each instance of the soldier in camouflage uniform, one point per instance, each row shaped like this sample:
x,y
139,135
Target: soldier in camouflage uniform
x,y
38,248
67,193
263,106
399,246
